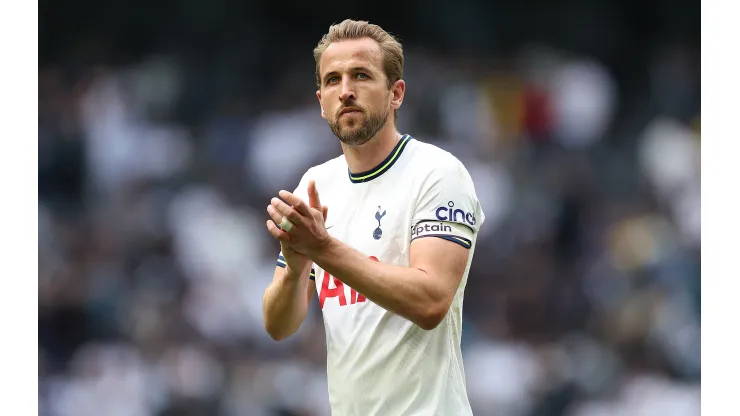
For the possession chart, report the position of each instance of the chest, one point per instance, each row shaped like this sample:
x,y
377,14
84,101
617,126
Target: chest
x,y
374,219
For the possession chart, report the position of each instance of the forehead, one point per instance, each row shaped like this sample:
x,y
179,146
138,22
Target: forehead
x,y
351,53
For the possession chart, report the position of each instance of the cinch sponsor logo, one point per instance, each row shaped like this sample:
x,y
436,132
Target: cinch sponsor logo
x,y
449,213
430,228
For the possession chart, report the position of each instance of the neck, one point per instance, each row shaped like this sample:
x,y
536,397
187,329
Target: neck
x,y
368,155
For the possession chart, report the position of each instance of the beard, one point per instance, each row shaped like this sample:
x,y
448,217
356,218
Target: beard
x,y
353,135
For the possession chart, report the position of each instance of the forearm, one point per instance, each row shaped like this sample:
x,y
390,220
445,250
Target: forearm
x,y
409,292
284,304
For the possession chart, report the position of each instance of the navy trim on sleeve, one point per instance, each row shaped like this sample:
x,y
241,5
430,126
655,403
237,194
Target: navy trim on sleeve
x,y
455,239
281,263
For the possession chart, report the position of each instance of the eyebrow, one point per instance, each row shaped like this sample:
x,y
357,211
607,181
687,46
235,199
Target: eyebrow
x,y
353,69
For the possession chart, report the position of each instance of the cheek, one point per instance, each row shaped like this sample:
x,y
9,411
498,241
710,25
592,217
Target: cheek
x,y
327,107
378,99
383,102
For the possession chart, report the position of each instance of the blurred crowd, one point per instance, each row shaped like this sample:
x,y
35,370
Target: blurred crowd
x,y
583,298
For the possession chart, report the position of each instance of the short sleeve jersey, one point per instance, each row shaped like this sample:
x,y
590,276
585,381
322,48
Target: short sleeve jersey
x,y
379,363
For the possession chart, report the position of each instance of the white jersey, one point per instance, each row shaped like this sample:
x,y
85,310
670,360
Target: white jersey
x,y
379,363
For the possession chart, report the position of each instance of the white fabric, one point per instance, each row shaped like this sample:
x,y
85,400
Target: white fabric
x,y
379,363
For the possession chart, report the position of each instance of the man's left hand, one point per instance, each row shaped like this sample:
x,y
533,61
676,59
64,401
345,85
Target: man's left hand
x,y
308,235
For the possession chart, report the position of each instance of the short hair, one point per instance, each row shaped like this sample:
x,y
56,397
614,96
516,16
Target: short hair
x,y
390,47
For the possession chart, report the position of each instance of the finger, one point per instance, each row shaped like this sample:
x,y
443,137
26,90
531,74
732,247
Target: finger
x,y
313,195
274,215
287,211
297,203
277,233
325,212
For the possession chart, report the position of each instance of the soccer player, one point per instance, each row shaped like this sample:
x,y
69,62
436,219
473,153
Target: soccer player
x,y
387,243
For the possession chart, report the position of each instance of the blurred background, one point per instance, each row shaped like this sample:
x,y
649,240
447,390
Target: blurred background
x,y
579,121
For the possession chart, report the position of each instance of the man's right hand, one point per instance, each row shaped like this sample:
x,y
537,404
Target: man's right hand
x,y
298,264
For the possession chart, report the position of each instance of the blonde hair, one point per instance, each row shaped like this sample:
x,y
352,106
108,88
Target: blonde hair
x,y
390,48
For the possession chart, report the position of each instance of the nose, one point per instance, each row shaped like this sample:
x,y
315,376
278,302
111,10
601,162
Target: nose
x,y
347,92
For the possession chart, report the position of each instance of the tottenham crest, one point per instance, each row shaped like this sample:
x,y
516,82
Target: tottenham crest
x,y
378,232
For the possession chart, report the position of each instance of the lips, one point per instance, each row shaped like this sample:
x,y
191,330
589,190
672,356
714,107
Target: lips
x,y
349,110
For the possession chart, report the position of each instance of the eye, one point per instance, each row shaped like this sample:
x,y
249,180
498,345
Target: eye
x,y
332,79
362,75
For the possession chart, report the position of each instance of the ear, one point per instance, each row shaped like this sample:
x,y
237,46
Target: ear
x,y
397,92
318,95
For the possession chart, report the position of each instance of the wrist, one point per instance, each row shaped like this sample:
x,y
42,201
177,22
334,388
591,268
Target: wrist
x,y
323,250
295,274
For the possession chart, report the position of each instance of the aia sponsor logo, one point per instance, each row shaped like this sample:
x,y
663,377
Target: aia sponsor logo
x,y
338,291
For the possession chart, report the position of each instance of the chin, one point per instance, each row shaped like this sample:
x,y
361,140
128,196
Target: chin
x,y
354,140
351,119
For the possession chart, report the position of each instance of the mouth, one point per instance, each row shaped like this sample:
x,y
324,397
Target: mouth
x,y
349,110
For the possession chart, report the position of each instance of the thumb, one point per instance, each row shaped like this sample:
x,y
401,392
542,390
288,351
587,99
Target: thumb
x,y
313,195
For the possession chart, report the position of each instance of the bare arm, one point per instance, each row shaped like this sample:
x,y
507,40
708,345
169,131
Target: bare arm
x,y
421,293
285,302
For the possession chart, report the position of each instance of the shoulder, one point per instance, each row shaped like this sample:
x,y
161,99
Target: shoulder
x,y
326,170
434,162
446,190
326,175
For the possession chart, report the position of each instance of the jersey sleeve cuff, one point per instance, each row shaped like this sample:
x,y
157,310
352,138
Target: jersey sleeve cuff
x,y
281,263
450,231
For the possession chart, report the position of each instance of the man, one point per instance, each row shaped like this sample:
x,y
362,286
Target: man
x,y
391,297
